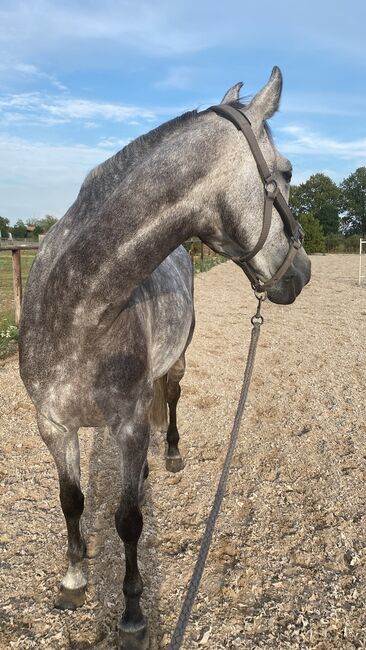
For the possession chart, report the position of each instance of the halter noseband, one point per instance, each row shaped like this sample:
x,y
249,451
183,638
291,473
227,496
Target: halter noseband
x,y
273,197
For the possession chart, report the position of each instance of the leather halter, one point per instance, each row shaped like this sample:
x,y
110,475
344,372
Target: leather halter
x,y
272,197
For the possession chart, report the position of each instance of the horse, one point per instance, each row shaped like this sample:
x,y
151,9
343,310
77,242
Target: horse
x,y
106,320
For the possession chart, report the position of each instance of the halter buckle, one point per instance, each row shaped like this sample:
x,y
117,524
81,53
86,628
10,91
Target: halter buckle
x,y
271,187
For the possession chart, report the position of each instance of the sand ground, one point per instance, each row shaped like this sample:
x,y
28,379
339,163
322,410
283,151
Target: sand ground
x,y
287,564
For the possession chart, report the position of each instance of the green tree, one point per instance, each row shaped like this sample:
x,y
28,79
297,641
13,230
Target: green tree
x,y
43,225
4,226
319,196
353,202
314,234
18,231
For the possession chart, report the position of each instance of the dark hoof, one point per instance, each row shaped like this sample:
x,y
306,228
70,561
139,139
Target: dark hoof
x,y
70,598
133,639
174,464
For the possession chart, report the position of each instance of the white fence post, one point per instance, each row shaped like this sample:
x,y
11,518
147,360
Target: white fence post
x,y
360,276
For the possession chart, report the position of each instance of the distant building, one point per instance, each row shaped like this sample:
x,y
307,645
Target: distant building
x,y
29,230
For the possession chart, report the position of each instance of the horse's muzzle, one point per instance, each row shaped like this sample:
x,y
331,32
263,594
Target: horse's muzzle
x,y
290,286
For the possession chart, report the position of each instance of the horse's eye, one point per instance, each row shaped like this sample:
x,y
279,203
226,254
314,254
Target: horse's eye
x,y
287,175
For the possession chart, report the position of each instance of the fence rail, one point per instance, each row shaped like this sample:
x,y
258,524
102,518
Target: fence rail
x,y
196,249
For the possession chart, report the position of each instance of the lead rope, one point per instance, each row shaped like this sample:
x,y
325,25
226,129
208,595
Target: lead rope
x,y
178,634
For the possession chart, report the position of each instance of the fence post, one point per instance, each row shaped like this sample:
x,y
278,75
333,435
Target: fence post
x,y
17,283
191,250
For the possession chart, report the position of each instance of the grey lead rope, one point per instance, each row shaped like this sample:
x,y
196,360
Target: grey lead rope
x,y
193,586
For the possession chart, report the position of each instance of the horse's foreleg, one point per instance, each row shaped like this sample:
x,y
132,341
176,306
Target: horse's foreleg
x,y
64,447
133,437
174,461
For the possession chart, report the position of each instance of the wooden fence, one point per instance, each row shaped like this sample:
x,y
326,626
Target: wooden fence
x,y
196,248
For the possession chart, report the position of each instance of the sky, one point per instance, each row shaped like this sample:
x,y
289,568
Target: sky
x,y
79,80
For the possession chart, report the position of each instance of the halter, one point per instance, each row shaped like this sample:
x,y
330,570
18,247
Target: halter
x,y
272,197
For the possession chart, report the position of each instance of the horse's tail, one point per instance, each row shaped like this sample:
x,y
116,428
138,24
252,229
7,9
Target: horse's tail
x,y
158,411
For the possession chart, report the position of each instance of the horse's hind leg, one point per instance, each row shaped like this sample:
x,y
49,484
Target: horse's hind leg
x,y
63,444
132,432
173,460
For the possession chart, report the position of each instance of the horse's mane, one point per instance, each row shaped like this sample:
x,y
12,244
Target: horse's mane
x,y
106,176
132,152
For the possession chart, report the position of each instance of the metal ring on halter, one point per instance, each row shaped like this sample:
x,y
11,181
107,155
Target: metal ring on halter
x,y
271,188
260,295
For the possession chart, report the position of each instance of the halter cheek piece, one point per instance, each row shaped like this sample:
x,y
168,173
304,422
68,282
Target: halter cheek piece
x,y
272,197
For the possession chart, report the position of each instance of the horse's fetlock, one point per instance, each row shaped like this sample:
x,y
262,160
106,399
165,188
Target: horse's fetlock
x,y
133,588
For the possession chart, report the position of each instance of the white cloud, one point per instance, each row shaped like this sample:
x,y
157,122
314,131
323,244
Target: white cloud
x,y
169,28
306,142
38,177
179,77
52,109
72,108
32,70
19,71
112,143
160,28
332,104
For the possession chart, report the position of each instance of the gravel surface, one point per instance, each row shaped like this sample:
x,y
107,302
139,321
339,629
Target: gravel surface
x,y
287,564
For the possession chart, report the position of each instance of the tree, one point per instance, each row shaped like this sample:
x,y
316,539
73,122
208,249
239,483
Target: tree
x,y
4,226
353,202
18,231
314,235
43,225
319,196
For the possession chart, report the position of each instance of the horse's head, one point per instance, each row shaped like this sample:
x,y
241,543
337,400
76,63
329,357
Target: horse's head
x,y
243,225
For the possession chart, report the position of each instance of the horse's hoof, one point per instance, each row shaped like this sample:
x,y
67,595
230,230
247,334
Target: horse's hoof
x,y
70,598
174,464
133,639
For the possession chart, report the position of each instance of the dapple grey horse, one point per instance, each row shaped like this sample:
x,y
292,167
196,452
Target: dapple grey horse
x,y
106,319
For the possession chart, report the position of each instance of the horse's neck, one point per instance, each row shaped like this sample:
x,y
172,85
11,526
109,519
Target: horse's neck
x,y
156,207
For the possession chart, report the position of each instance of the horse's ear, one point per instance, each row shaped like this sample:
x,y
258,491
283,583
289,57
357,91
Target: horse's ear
x,y
232,95
266,102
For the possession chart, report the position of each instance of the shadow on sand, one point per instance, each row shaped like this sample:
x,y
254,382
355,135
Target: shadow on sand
x,y
105,549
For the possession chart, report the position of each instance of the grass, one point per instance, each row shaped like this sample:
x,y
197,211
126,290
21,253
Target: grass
x,y
200,266
8,329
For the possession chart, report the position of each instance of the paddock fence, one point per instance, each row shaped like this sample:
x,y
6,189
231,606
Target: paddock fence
x,y
197,250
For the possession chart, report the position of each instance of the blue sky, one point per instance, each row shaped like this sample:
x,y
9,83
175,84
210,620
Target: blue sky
x,y
78,80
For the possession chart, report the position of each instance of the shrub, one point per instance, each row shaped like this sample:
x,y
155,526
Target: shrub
x,y
352,244
334,243
314,235
8,336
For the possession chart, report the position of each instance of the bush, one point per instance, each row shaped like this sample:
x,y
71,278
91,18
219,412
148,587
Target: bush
x,y
314,235
334,243
352,244
8,337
